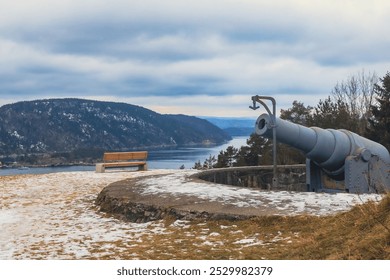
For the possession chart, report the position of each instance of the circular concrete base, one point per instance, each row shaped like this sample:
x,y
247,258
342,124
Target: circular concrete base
x,y
183,196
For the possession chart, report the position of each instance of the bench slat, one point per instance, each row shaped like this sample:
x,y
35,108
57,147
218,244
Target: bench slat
x,y
125,156
123,159
124,163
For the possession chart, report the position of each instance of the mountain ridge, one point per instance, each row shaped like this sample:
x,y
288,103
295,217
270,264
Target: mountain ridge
x,y
234,126
71,124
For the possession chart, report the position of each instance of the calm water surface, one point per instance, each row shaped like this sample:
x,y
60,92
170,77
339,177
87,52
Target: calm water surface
x,y
157,159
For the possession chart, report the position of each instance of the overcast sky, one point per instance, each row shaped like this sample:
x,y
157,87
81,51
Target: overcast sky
x,y
203,58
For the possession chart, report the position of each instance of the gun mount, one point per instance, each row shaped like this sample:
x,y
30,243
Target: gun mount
x,y
336,160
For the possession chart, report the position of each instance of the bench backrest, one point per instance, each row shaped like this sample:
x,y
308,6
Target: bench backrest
x,y
125,156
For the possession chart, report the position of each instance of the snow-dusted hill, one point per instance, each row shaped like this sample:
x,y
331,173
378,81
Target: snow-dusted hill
x,y
66,125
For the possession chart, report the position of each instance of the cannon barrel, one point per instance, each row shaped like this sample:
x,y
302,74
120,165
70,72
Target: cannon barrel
x,y
328,148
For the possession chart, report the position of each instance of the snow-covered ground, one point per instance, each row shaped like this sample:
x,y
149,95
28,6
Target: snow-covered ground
x,y
53,216
279,202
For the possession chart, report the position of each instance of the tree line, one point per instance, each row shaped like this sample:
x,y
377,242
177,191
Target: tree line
x,y
360,104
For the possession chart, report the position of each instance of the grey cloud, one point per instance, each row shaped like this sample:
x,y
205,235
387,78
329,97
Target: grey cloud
x,y
173,48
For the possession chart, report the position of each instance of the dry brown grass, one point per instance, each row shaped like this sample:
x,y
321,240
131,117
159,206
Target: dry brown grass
x,y
361,233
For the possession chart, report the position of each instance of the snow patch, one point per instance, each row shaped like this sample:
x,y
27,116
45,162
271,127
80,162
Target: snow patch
x,y
16,134
287,203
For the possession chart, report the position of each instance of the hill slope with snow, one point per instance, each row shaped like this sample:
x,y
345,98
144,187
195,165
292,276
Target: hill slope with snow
x,y
66,125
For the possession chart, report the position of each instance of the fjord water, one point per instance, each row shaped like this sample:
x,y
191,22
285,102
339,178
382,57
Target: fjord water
x,y
157,159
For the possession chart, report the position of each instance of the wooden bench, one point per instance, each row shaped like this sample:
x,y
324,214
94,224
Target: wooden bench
x,y
123,159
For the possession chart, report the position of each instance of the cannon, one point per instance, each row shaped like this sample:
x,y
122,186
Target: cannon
x,y
336,160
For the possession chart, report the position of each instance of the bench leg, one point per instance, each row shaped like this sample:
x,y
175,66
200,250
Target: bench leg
x,y
143,167
100,168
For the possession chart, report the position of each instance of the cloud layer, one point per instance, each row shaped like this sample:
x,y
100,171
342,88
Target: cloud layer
x,y
166,55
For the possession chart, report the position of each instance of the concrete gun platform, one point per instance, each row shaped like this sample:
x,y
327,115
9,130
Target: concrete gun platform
x,y
184,196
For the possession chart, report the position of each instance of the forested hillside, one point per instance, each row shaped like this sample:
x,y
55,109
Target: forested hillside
x,y
85,126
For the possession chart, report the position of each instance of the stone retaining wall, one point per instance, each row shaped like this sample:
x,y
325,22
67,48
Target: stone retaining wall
x,y
127,199
290,177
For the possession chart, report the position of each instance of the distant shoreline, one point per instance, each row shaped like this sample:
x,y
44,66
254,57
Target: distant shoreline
x,y
59,159
168,158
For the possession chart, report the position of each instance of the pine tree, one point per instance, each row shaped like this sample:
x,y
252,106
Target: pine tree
x,y
209,162
257,152
379,129
298,113
226,158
